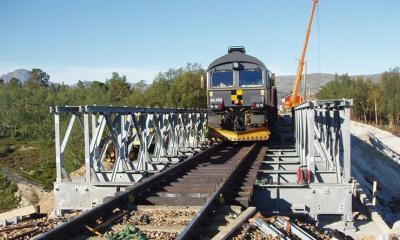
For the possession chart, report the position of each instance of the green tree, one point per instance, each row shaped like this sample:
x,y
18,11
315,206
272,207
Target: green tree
x,y
186,90
117,88
177,88
375,100
14,82
360,89
80,84
141,85
390,82
157,93
38,78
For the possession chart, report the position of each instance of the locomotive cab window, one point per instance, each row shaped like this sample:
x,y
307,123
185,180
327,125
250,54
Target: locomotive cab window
x,y
222,79
250,78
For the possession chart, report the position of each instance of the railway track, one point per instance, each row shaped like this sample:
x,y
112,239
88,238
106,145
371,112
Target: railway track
x,y
32,227
200,198
178,201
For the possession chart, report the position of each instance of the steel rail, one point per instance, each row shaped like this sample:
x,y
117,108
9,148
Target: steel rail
x,y
195,223
75,225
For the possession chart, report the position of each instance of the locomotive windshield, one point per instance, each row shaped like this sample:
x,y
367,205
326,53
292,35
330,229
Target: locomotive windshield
x,y
222,79
249,78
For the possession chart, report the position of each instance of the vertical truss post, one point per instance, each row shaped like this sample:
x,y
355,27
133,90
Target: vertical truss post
x,y
310,140
57,145
86,134
346,145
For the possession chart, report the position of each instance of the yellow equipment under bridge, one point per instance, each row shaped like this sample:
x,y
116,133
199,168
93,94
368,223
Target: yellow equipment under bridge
x,y
255,134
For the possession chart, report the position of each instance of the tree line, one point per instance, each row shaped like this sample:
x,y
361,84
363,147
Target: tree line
x,y
374,102
25,106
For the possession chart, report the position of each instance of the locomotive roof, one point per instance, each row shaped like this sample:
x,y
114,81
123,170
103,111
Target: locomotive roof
x,y
235,55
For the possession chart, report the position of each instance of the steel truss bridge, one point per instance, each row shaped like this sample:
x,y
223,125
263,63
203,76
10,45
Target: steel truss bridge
x,y
157,137
152,146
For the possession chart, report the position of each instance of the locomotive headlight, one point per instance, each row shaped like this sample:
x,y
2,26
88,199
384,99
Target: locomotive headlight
x,y
211,93
235,66
262,92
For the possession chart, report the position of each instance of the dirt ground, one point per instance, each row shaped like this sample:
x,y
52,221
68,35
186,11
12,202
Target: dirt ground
x,y
373,156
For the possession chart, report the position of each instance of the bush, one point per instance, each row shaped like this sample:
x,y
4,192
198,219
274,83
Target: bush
x,y
8,197
5,150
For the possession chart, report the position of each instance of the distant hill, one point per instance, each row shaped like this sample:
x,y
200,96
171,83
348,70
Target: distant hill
x,y
20,74
315,81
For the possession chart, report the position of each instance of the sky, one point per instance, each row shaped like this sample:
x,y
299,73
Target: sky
x,y
88,40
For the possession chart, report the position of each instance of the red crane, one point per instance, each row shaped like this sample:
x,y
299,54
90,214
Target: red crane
x,y
294,99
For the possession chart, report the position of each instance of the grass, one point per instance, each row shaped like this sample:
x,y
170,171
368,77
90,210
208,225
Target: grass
x,y
31,160
34,160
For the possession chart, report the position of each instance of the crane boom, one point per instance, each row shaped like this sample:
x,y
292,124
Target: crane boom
x,y
294,99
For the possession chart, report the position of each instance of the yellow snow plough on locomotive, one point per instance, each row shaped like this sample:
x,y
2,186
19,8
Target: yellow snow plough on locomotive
x,y
241,97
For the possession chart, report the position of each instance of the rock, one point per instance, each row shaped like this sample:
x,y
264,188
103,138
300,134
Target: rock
x,y
46,203
30,194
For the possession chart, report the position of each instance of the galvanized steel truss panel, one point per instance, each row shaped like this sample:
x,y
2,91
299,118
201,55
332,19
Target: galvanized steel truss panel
x,y
322,133
143,141
322,145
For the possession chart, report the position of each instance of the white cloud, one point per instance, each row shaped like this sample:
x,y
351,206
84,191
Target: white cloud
x,y
71,74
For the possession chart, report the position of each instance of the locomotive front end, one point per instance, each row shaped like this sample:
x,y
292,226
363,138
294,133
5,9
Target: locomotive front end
x,y
241,97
